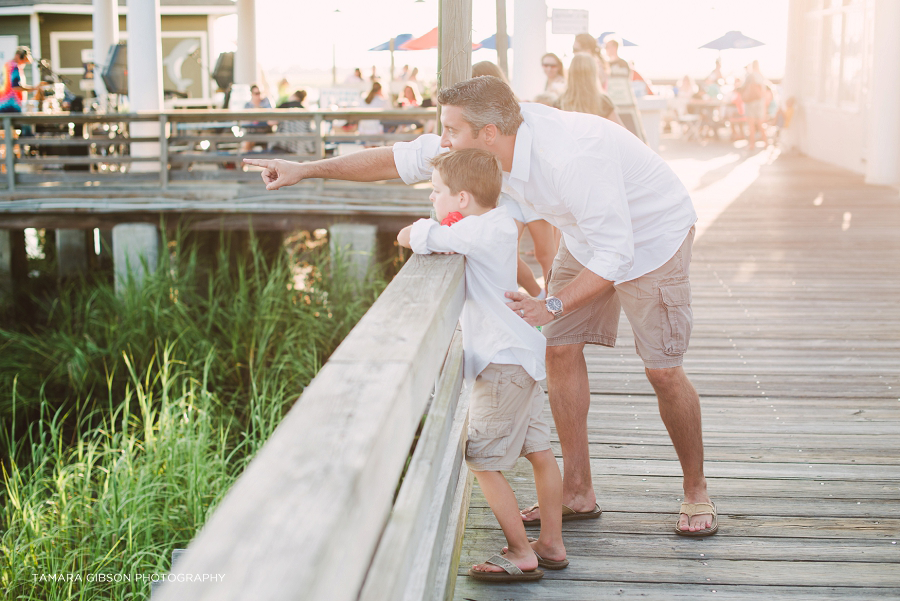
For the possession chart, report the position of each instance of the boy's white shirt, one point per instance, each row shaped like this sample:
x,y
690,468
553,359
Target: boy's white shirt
x,y
492,333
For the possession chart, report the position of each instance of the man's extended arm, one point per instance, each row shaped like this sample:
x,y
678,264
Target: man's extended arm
x,y
371,165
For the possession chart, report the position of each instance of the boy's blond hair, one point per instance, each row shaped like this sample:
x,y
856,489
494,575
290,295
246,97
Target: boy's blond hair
x,y
471,170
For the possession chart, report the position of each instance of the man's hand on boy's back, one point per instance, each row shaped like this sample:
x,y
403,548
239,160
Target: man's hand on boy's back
x,y
278,173
533,311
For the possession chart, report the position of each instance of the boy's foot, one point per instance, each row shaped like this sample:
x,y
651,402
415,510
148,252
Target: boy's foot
x,y
526,563
552,556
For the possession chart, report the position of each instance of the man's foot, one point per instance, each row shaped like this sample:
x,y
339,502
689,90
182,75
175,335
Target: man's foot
x,y
576,511
693,523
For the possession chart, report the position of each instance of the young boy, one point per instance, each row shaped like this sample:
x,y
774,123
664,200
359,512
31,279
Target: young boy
x,y
504,357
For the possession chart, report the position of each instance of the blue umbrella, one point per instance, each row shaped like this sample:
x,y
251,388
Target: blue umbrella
x,y
733,39
603,35
403,37
491,42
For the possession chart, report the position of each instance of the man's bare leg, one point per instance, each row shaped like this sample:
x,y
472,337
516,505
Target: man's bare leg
x,y
679,408
570,400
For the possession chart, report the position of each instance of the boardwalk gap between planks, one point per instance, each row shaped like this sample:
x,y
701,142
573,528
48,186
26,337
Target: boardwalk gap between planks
x,y
796,356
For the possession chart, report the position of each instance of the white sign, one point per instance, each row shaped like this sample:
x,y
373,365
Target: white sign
x,y
567,20
8,45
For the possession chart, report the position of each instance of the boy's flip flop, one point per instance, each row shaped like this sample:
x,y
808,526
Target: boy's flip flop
x,y
550,564
512,572
568,514
692,509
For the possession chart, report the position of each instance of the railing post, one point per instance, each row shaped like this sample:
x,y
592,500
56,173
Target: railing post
x,y
163,152
10,156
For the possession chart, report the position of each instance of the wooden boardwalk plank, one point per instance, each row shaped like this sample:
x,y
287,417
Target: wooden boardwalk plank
x,y
796,355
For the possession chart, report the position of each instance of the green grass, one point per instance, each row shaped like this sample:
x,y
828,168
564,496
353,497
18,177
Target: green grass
x,y
125,418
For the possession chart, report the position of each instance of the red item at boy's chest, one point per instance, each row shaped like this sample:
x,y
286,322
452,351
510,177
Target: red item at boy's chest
x,y
451,218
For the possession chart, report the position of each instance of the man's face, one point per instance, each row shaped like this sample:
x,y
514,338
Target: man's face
x,y
444,202
457,133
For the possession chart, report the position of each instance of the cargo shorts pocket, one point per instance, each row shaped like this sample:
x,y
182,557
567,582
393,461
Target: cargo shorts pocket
x,y
676,299
488,437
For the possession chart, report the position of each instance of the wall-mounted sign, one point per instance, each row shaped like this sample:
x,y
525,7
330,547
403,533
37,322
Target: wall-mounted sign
x,y
566,20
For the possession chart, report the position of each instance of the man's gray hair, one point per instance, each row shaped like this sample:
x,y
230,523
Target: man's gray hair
x,y
485,100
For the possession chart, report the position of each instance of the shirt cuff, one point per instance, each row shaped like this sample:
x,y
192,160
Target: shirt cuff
x,y
412,158
610,266
418,236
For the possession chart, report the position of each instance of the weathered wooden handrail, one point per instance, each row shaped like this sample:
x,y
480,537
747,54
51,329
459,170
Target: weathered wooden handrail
x,y
313,516
179,133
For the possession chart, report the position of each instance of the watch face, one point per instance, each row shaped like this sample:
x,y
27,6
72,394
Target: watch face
x,y
554,305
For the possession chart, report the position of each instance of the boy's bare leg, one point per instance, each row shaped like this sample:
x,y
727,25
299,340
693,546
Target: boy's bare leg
x,y
548,482
502,499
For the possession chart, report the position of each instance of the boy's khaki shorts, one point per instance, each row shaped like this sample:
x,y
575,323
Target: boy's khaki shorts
x,y
505,418
657,304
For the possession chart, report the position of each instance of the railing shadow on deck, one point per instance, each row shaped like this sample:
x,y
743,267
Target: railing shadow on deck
x,y
314,516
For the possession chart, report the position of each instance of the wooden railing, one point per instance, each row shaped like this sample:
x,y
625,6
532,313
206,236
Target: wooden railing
x,y
193,145
314,516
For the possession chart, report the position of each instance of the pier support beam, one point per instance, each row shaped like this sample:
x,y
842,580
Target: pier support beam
x,y
6,281
13,264
134,245
354,245
72,252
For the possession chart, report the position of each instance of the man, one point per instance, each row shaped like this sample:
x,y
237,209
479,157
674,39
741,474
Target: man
x,y
627,224
13,85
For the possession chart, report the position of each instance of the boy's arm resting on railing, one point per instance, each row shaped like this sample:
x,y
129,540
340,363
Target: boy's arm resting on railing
x,y
370,165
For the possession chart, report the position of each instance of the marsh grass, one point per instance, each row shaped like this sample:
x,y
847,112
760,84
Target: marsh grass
x,y
125,418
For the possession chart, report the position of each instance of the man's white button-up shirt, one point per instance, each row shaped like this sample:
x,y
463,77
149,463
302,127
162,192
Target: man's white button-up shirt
x,y
622,210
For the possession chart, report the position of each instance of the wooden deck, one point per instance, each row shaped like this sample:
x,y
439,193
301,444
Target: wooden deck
x,y
796,355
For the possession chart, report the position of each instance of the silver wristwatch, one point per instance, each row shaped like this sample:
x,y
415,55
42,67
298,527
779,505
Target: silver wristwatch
x,y
554,305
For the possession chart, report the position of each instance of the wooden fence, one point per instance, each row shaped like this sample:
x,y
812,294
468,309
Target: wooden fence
x,y
188,145
318,514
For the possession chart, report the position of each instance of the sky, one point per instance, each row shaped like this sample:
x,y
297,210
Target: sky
x,y
297,38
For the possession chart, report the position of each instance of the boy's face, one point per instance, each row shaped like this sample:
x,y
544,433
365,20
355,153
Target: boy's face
x,y
444,202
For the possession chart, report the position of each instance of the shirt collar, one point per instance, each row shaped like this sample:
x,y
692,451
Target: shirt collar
x,y
521,165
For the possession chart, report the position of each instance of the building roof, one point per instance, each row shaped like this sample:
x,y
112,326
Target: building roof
x,y
56,5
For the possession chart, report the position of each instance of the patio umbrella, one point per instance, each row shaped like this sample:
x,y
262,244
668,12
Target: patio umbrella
x,y
400,39
603,35
491,42
427,42
733,39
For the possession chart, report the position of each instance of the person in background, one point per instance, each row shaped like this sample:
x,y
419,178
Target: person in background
x,y
583,95
586,43
619,66
556,74
547,99
296,126
12,86
257,101
753,93
543,235
375,99
283,91
410,97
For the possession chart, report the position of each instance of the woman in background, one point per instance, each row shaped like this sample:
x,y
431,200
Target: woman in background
x,y
585,43
556,74
583,95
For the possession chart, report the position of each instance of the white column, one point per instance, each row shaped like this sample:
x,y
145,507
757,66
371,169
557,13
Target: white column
x,y
883,145
245,56
144,76
6,283
529,45
71,252
106,33
36,52
792,85
134,244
